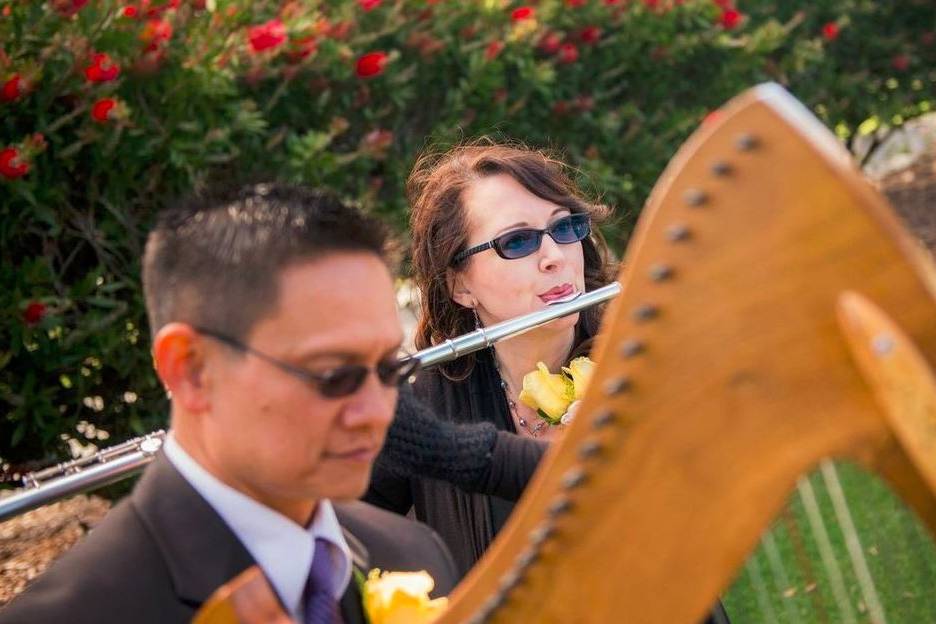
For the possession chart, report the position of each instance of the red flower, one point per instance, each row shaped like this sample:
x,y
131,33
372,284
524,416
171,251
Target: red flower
x,y
130,11
35,143
102,68
568,53
34,313
156,31
560,108
928,38
302,48
377,142
156,11
150,60
493,49
425,43
730,18
371,64
101,110
550,43
340,30
590,34
67,8
11,165
369,5
521,13
12,89
830,31
584,103
900,62
266,36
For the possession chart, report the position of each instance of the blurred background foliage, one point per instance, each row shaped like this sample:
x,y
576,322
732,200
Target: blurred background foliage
x,y
108,110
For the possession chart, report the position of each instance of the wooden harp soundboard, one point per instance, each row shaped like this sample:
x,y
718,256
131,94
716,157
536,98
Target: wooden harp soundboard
x,y
774,313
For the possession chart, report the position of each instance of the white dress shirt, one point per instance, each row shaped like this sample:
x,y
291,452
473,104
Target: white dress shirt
x,y
283,549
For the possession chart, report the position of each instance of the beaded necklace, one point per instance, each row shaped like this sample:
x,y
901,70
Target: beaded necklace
x,y
533,430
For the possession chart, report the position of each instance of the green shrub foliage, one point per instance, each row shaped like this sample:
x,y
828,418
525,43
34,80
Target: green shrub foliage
x,y
109,110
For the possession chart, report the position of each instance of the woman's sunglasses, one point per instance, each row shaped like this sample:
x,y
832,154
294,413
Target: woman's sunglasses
x,y
338,382
519,243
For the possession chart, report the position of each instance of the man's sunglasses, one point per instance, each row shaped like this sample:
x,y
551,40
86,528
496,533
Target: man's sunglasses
x,y
519,243
338,382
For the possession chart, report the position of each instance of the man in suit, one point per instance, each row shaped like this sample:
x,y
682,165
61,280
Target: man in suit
x,y
275,332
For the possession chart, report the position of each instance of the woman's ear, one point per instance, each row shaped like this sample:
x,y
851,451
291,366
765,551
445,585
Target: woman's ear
x,y
178,353
458,290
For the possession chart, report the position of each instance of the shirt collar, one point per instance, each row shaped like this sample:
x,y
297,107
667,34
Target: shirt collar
x,y
282,548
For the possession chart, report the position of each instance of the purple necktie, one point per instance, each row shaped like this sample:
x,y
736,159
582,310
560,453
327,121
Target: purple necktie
x,y
320,604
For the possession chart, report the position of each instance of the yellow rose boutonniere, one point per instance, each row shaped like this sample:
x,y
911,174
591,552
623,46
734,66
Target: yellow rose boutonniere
x,y
580,372
400,598
551,394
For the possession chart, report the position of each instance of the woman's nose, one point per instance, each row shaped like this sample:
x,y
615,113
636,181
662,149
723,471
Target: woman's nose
x,y
551,255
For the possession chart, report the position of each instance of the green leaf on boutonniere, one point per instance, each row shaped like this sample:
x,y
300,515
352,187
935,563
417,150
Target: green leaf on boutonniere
x,y
547,418
360,579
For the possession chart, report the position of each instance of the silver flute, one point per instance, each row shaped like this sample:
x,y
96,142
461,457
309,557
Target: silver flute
x,y
128,458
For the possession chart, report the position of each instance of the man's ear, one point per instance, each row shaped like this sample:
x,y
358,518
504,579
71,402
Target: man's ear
x,y
179,355
458,290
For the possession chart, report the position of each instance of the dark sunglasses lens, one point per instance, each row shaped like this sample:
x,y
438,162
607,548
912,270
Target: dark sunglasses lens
x,y
518,244
343,381
393,372
570,229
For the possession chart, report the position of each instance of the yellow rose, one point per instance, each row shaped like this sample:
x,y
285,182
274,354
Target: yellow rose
x,y
400,598
580,370
546,392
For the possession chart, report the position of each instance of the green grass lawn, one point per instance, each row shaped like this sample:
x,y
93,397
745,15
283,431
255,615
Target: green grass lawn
x,y
789,580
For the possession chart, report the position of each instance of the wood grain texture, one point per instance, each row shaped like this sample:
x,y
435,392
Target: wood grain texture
x,y
743,383
247,599
899,377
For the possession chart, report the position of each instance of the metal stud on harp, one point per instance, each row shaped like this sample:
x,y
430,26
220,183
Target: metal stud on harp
x,y
704,414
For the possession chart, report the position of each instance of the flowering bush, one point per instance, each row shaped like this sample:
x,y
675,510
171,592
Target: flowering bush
x,y
109,109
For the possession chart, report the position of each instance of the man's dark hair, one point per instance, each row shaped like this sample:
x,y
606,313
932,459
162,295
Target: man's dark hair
x,y
214,259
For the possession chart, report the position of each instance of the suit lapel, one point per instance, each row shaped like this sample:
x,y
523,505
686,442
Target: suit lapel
x,y
199,549
352,602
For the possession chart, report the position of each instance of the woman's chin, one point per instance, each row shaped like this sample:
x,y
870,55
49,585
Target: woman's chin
x,y
560,324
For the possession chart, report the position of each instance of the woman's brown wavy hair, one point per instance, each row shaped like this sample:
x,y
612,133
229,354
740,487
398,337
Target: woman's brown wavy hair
x,y
439,229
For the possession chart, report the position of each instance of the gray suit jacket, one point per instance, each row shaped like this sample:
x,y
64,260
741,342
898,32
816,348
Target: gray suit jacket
x,y
163,551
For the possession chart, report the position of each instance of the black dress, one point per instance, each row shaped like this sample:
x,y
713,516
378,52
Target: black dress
x,y
467,522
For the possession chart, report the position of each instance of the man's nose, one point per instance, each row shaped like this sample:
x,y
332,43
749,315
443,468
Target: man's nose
x,y
372,405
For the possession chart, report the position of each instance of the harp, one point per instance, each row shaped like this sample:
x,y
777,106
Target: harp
x,y
774,315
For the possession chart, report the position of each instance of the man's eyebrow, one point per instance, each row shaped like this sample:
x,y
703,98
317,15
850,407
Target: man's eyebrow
x,y
343,354
524,224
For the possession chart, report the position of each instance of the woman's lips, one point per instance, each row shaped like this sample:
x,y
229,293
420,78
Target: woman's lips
x,y
558,293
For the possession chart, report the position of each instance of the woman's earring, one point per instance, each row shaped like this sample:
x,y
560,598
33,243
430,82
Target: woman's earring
x,y
477,318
